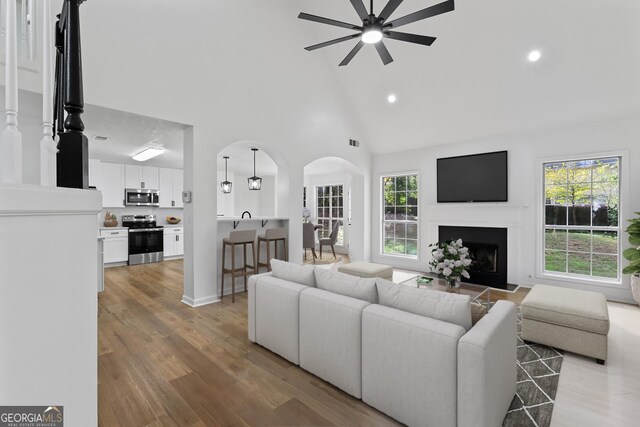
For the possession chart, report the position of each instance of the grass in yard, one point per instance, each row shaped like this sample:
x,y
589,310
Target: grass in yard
x,y
604,262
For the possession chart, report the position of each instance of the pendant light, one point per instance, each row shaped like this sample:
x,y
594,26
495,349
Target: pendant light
x,y
226,184
255,182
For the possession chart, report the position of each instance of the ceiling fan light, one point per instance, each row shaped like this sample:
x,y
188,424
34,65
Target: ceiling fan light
x,y
372,35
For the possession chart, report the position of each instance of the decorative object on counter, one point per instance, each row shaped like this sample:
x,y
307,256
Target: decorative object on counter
x,y
110,219
255,182
633,256
173,220
306,213
226,184
450,261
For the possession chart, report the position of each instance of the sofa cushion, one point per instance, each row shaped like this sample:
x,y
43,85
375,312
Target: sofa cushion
x,y
347,285
409,365
452,308
573,308
302,274
331,338
277,316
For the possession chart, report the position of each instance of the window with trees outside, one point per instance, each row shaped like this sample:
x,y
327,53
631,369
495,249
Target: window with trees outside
x,y
400,219
581,225
330,208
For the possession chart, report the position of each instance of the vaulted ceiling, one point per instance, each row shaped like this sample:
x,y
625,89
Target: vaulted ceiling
x,y
245,61
475,80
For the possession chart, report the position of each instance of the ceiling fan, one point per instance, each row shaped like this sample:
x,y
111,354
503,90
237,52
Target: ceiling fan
x,y
375,28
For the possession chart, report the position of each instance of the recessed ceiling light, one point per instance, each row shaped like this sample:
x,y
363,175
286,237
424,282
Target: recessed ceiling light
x,y
392,98
534,56
147,153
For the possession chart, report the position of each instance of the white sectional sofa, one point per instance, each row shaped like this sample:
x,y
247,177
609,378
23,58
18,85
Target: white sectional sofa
x,y
388,344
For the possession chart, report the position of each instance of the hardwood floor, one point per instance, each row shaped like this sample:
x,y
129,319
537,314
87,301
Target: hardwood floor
x,y
162,363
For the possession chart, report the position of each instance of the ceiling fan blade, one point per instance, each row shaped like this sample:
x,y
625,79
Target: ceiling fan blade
x,y
389,9
384,53
411,38
361,9
351,54
328,21
437,9
330,42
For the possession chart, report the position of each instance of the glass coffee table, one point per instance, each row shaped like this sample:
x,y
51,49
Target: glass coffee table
x,y
478,293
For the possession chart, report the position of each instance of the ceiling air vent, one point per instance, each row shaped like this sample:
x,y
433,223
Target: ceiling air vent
x,y
354,143
100,138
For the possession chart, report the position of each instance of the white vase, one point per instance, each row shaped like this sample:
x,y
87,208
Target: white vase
x,y
635,287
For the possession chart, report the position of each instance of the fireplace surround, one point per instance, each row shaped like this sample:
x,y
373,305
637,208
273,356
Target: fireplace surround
x,y
488,249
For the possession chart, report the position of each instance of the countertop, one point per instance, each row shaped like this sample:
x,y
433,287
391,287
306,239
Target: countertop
x,y
255,218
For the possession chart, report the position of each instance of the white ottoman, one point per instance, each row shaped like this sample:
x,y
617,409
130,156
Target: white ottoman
x,y
367,269
570,319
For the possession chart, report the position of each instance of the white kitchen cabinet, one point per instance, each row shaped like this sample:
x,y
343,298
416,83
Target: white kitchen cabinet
x,y
173,241
170,185
178,186
141,177
94,172
116,245
111,183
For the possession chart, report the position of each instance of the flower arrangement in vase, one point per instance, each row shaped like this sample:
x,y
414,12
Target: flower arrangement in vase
x,y
450,261
306,213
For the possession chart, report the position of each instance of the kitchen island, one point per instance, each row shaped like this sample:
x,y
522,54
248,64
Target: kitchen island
x,y
227,224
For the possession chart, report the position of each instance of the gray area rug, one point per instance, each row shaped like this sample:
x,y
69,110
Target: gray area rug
x,y
538,375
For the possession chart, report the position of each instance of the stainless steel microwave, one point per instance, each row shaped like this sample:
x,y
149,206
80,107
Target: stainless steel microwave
x,y
141,197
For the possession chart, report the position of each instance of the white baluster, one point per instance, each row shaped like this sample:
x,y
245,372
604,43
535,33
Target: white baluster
x,y
48,148
11,157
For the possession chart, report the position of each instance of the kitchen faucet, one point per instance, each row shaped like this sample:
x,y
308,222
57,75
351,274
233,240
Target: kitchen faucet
x,y
246,212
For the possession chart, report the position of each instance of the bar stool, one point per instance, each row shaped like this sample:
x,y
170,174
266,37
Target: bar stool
x,y
244,238
274,235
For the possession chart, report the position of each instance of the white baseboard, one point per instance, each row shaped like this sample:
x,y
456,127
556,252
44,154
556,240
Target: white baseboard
x,y
199,302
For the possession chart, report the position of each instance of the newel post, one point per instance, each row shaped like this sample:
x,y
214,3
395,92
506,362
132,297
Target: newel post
x,y
73,154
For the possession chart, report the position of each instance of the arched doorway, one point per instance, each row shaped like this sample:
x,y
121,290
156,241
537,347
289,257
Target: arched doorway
x,y
334,191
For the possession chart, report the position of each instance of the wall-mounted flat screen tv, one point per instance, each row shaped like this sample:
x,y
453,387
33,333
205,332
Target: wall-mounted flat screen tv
x,y
474,178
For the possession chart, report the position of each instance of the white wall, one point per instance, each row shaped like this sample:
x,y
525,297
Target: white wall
x,y
521,213
258,203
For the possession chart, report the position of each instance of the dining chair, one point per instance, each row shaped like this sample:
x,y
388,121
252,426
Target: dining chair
x,y
331,240
309,239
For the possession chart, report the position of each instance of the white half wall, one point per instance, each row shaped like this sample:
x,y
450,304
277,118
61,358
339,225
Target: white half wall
x,y
49,303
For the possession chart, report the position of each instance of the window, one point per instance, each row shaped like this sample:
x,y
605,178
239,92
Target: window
x,y
330,209
581,226
400,219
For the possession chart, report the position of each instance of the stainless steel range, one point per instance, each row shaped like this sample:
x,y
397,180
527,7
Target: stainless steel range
x,y
145,239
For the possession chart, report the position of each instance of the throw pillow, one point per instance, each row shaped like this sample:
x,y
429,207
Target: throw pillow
x,y
302,274
452,308
347,285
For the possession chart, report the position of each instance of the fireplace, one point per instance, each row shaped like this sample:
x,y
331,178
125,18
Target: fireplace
x,y
488,249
